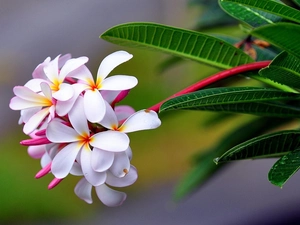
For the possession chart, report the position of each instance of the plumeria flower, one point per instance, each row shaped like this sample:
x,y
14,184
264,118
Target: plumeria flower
x,y
94,103
84,146
54,73
107,195
42,105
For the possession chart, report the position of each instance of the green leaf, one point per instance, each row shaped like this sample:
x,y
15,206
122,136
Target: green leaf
x,y
297,2
284,69
282,35
251,100
285,168
273,7
180,42
252,17
268,145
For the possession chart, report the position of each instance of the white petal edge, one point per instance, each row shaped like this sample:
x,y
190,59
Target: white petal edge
x,y
125,181
94,106
110,120
101,160
83,190
112,61
113,141
141,120
64,93
110,197
64,160
35,120
118,83
121,164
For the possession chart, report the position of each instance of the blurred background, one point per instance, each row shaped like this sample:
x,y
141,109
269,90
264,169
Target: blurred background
x,y
33,30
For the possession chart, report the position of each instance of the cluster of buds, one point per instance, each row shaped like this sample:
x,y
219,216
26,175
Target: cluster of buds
x,y
75,126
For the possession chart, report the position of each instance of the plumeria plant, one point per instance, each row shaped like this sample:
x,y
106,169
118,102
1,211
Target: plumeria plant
x,y
76,125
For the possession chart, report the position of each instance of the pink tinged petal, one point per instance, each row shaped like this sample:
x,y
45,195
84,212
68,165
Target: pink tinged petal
x,y
64,93
61,133
63,107
141,120
29,95
54,183
109,120
34,84
109,196
39,70
112,61
51,70
110,96
63,59
94,106
76,169
35,120
101,160
64,160
93,177
123,112
43,171
72,65
121,164
113,141
129,179
83,190
121,96
78,119
119,82
36,152
28,113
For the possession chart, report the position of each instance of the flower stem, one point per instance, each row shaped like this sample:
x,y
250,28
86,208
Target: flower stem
x,y
214,78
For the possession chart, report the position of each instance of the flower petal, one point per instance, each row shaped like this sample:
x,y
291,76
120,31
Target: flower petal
x,y
121,164
119,82
37,151
82,73
112,61
29,95
35,120
101,160
76,169
83,190
34,84
94,106
64,93
127,180
113,141
141,120
109,120
64,160
109,196
17,103
63,59
72,65
51,70
63,107
93,177
78,119
46,90
60,133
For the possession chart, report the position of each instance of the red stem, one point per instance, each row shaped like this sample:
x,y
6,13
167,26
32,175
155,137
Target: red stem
x,y
214,78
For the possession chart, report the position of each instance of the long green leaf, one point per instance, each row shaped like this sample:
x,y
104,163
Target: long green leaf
x,y
225,96
285,168
251,16
263,146
284,69
297,2
282,35
184,43
273,7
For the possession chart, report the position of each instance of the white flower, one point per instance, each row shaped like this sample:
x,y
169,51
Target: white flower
x,y
94,104
80,140
41,105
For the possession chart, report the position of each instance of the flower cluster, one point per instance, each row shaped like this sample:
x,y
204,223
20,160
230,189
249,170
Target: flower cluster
x,y
75,126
